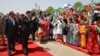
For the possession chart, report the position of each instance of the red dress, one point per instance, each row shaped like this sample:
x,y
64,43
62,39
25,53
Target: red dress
x,y
92,41
44,25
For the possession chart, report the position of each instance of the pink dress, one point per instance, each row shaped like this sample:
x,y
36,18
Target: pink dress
x,y
44,25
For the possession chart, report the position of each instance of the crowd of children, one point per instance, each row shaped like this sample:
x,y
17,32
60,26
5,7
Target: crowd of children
x,y
81,29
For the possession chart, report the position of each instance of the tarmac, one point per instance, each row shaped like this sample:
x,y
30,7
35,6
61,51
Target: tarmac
x,y
58,49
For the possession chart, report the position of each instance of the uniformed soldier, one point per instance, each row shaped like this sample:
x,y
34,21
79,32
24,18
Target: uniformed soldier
x,y
2,32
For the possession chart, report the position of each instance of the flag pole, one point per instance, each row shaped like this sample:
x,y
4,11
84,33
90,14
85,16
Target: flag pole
x,y
36,8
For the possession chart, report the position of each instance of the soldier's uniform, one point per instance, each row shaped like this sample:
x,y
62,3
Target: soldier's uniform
x,y
2,32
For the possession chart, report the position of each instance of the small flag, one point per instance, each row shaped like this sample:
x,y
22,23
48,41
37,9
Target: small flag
x,y
68,5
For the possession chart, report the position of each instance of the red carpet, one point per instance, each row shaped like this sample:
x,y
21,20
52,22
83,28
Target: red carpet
x,y
34,50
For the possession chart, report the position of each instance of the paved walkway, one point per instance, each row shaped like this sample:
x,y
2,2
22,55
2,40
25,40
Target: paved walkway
x,y
58,49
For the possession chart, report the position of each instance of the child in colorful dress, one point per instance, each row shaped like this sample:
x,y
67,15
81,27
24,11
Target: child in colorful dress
x,y
54,23
70,32
92,41
57,29
75,33
65,31
82,33
51,30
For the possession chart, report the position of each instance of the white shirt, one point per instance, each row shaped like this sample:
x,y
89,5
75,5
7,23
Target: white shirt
x,y
12,20
57,29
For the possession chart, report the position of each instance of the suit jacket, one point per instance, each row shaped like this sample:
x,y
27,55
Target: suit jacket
x,y
10,29
26,26
34,24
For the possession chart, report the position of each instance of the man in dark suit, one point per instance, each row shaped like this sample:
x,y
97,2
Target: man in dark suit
x,y
18,27
34,26
26,31
10,32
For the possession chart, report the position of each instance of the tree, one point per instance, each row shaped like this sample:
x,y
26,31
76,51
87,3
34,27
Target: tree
x,y
77,5
86,8
35,11
48,10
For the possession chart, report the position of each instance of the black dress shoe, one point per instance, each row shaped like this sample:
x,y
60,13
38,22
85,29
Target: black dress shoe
x,y
13,49
25,51
3,44
26,54
9,54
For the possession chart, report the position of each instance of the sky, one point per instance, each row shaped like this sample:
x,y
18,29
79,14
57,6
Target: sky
x,y
23,5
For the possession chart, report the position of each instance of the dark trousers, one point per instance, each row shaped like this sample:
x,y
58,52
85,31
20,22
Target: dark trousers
x,y
33,34
18,38
10,43
24,39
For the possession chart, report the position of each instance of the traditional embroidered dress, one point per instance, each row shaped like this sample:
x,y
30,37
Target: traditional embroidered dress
x,y
75,34
44,25
82,38
92,42
70,33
